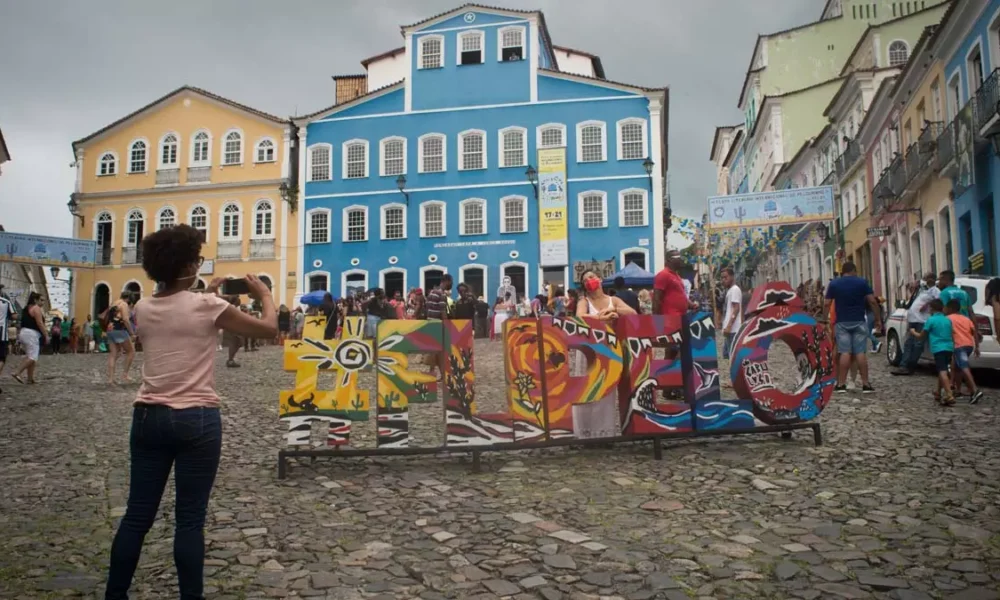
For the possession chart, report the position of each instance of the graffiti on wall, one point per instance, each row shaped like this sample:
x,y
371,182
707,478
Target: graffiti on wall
x,y
619,386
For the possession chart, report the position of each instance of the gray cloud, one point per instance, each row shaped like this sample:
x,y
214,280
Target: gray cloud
x,y
70,67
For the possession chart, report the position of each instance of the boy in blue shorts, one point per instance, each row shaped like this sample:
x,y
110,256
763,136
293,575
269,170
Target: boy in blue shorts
x,y
938,331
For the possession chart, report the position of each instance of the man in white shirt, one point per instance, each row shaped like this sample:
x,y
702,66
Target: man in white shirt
x,y
7,315
916,316
734,310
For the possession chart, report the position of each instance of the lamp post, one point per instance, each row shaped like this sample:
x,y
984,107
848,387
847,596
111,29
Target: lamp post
x,y
74,208
401,184
532,176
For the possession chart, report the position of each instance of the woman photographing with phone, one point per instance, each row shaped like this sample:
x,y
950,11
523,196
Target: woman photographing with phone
x,y
595,303
175,420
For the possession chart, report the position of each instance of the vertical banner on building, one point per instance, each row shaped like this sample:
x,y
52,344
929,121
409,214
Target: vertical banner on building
x,y
553,228
964,150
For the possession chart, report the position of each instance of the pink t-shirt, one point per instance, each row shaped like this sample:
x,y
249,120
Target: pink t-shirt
x,y
179,341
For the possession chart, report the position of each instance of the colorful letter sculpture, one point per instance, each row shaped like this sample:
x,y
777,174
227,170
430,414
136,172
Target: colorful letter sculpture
x,y
565,378
775,314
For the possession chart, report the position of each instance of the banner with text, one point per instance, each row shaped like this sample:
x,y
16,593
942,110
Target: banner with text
x,y
763,209
553,227
44,250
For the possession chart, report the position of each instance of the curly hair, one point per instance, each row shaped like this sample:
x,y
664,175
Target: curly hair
x,y
166,253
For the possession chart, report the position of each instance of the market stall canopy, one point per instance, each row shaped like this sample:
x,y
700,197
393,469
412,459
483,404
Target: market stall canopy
x,y
633,274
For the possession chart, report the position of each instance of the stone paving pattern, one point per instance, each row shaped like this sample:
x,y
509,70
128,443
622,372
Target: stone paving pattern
x,y
901,503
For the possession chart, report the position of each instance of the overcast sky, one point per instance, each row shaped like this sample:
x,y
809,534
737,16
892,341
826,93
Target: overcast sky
x,y
70,67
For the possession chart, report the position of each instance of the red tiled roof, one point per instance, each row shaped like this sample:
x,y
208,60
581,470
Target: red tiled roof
x,y
469,5
185,88
387,54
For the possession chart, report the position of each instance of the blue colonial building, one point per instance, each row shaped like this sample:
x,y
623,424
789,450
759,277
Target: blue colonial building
x,y
429,163
970,47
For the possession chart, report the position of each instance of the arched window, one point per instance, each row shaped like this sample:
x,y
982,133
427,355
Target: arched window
x,y
319,282
513,215
472,150
590,142
432,220
320,163
355,159
318,221
166,218
432,157
137,157
201,149
393,222
473,220
552,136
263,220
431,52
231,222
168,152
593,207
632,208
199,220
899,53
108,165
513,147
265,151
355,224
631,139
232,151
135,222
393,159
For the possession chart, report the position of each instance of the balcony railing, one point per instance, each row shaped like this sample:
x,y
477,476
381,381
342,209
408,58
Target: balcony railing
x,y
928,144
132,255
987,107
229,251
261,248
850,157
828,180
946,147
168,176
199,175
912,161
882,195
897,176
104,256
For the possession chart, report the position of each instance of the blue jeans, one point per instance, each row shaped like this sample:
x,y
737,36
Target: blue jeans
x,y
913,348
728,345
190,441
371,325
870,319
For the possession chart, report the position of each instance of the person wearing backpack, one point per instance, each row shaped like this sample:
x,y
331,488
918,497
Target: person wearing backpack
x,y
119,332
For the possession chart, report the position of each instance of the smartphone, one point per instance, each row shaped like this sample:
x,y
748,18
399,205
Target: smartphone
x,y
235,287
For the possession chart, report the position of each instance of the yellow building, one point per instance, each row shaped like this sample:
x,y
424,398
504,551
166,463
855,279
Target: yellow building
x,y
188,157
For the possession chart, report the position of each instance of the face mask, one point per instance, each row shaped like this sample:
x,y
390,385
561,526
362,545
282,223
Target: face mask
x,y
592,285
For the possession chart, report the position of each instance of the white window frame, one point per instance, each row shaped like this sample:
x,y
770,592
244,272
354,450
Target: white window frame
x,y
461,215
527,274
110,219
343,158
387,270
129,157
208,154
208,219
222,222
222,148
420,152
969,80
256,151
524,42
309,161
177,152
128,219
381,155
645,206
579,141
524,146
604,208
343,222
993,41
482,45
343,279
542,128
420,51
253,232
435,267
159,213
954,83
888,53
486,277
461,149
645,137
444,218
633,250
382,223
312,274
503,212
100,162
309,227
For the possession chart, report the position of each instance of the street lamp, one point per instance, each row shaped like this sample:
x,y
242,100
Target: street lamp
x,y
648,166
532,176
401,184
74,208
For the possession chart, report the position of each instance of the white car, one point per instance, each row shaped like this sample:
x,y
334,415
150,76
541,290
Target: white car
x,y
973,285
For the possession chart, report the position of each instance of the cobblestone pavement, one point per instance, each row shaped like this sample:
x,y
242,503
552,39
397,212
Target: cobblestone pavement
x,y
901,502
